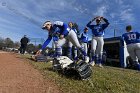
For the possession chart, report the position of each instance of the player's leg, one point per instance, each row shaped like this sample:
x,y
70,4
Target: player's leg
x,y
59,44
132,53
138,55
73,38
93,49
75,53
138,51
53,46
69,49
99,51
20,49
24,49
57,50
83,46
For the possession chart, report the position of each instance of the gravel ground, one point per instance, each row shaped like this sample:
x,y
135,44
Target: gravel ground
x,y
18,76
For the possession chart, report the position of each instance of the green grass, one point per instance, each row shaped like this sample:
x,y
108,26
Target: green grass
x,y
103,80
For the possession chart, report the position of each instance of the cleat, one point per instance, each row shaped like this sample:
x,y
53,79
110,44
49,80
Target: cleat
x,y
92,63
138,67
86,59
100,65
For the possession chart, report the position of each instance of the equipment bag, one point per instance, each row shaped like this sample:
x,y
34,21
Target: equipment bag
x,y
40,58
67,66
83,69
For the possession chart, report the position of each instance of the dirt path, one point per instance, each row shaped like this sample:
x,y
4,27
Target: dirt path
x,y
17,76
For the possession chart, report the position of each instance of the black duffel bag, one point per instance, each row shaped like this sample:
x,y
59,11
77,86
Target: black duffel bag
x,y
41,58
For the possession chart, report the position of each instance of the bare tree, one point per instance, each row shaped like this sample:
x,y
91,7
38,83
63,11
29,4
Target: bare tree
x,y
9,43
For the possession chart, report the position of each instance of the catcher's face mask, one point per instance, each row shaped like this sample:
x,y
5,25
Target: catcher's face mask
x,y
47,25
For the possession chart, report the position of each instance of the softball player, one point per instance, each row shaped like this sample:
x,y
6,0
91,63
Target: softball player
x,y
84,39
132,40
71,26
97,39
65,34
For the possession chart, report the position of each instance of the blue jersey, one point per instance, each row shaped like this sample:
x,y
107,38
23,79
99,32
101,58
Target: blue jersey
x,y
98,30
58,28
84,37
55,38
131,37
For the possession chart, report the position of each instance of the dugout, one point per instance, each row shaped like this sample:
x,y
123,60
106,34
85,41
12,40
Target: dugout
x,y
116,54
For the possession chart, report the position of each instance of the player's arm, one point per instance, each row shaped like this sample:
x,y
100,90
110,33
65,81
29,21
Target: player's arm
x,y
138,34
89,23
44,45
65,31
106,22
46,42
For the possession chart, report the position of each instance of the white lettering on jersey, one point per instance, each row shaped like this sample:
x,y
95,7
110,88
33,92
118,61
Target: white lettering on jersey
x,y
58,23
131,36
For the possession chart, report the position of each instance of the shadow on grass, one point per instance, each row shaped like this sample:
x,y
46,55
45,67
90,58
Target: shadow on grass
x,y
31,59
70,74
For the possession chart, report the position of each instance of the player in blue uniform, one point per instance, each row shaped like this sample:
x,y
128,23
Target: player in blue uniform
x,y
97,39
65,34
132,40
84,39
71,26
69,54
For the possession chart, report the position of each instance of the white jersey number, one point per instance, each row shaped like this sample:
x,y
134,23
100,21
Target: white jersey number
x,y
131,36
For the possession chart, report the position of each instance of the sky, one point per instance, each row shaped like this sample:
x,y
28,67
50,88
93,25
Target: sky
x,y
25,17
